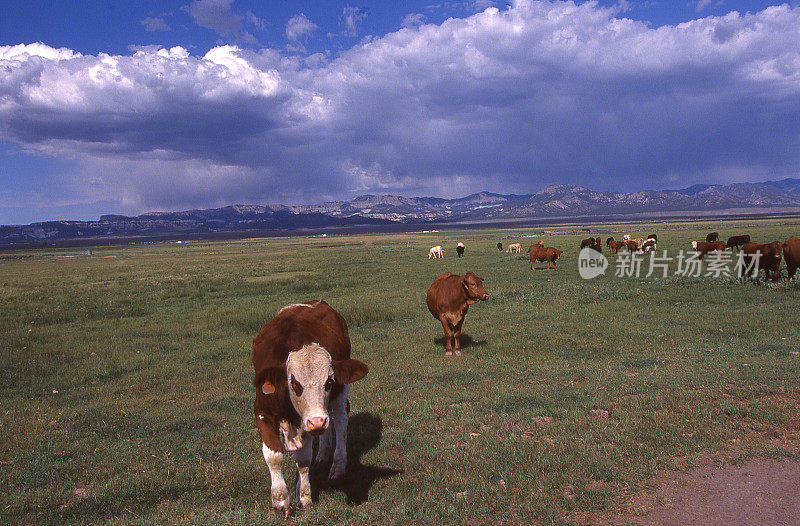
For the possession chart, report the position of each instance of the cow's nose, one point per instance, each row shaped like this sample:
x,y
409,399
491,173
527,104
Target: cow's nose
x,y
316,424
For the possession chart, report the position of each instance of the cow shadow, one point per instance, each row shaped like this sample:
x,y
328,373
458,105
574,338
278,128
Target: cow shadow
x,y
466,341
364,432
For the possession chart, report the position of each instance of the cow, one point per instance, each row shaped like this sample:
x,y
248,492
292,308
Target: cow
x,y
540,253
626,237
614,246
436,252
736,241
769,258
514,248
608,241
791,253
500,247
713,236
588,242
449,298
460,249
704,247
639,242
649,244
632,246
598,245
303,373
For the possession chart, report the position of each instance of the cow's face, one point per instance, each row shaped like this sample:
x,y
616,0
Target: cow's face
x,y
694,245
473,285
310,375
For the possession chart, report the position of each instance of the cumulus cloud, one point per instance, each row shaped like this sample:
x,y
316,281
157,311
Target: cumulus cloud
x,y
154,24
218,16
504,100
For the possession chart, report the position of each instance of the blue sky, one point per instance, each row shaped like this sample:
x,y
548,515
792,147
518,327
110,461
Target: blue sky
x,y
128,107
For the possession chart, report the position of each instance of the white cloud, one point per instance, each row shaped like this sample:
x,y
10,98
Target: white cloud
x,y
503,100
154,24
297,28
413,19
351,20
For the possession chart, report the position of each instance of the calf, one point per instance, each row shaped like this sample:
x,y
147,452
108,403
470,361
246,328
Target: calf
x,y
460,249
514,247
769,258
791,253
735,241
704,247
302,374
500,247
713,236
436,252
632,245
449,298
549,254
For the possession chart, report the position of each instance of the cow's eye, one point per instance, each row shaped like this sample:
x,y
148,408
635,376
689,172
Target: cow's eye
x,y
296,387
329,383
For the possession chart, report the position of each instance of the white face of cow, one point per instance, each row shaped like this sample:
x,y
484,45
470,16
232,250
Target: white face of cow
x,y
309,372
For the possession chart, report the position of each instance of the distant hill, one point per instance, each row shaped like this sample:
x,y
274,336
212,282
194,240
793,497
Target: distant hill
x,y
382,210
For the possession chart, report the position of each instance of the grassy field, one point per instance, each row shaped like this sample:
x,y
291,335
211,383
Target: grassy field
x,y
126,389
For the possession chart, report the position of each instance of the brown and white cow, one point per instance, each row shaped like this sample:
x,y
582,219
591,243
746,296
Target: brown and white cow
x,y
436,252
449,298
514,248
302,374
791,253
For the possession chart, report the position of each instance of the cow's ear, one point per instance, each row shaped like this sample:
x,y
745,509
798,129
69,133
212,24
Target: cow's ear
x,y
272,378
349,371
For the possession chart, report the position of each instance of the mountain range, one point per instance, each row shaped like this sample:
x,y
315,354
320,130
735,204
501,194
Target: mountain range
x,y
380,212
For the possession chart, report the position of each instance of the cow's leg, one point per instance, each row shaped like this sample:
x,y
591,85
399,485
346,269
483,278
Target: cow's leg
x,y
278,491
302,457
339,420
448,337
457,338
272,450
790,270
325,450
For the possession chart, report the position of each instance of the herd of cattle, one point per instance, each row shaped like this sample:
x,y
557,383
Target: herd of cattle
x,y
303,368
767,256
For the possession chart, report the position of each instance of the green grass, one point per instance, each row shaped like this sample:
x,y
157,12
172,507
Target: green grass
x,y
125,378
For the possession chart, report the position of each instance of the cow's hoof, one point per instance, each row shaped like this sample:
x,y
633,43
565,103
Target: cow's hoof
x,y
280,502
336,476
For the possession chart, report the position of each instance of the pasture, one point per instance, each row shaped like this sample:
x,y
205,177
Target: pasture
x,y
126,391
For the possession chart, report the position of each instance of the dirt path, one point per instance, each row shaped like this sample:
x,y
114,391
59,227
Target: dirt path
x,y
761,491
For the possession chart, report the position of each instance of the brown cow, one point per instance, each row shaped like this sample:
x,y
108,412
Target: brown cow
x,y
588,242
549,254
632,245
449,298
791,253
302,375
769,259
704,247
614,246
713,236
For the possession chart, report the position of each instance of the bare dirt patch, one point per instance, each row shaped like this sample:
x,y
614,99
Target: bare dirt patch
x,y
759,491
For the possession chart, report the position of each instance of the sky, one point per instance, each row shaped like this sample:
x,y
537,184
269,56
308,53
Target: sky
x,y
128,107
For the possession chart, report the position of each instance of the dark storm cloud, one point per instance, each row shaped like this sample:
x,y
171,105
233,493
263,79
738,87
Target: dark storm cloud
x,y
503,100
